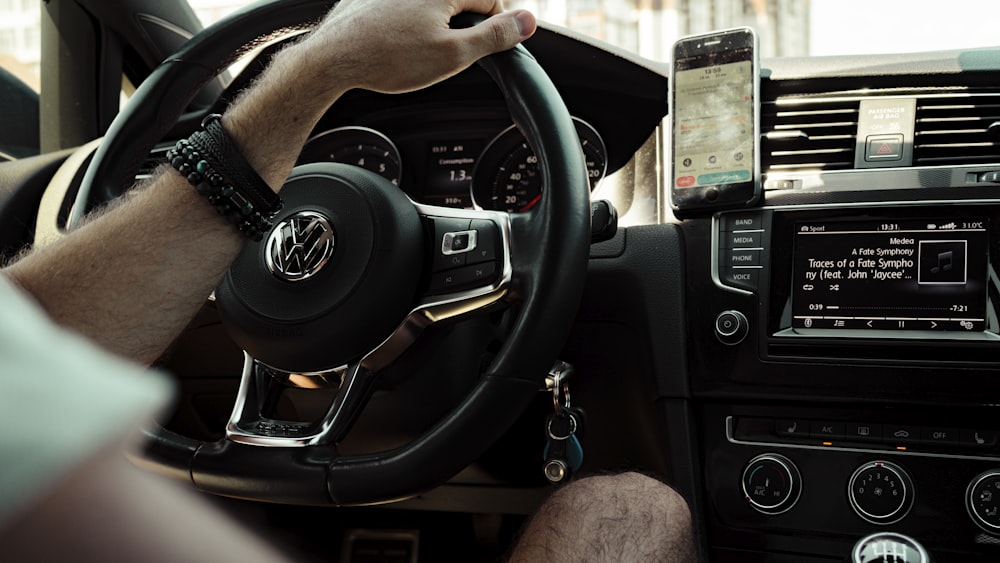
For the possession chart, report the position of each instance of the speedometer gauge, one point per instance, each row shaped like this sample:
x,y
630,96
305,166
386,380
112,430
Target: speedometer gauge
x,y
507,177
359,146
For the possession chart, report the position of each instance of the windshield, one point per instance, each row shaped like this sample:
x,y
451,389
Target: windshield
x,y
649,27
787,28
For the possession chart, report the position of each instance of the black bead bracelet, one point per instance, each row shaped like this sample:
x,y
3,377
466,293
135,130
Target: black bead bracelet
x,y
210,162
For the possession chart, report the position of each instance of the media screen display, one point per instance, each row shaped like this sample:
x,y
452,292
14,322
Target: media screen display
x,y
898,274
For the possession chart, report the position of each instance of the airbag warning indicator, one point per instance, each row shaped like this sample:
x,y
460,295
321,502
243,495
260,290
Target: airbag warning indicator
x,y
912,274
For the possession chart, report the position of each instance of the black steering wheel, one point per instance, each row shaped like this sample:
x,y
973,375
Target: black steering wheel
x,y
351,275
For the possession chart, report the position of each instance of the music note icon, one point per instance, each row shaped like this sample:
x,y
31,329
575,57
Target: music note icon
x,y
945,261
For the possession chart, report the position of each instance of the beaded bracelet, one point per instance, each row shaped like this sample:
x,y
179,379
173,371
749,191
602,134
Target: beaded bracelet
x,y
212,164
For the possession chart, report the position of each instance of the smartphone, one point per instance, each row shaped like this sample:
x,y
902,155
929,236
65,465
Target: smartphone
x,y
715,122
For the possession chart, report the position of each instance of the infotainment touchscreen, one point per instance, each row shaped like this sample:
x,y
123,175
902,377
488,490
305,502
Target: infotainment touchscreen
x,y
898,274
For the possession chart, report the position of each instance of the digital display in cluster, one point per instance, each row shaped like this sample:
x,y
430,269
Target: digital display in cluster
x,y
910,274
449,172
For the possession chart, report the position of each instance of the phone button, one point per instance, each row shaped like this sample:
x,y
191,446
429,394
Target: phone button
x,y
737,258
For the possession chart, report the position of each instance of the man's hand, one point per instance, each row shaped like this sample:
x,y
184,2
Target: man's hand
x,y
380,45
398,46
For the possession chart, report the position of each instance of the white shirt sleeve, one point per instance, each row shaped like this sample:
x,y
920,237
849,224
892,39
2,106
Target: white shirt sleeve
x,y
62,400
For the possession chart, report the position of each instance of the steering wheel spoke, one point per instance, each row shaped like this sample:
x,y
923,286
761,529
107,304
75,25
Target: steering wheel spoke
x,y
469,261
255,419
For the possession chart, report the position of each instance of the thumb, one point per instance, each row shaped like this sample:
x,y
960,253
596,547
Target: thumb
x,y
501,32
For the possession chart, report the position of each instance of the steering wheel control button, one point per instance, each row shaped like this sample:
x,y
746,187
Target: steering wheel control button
x,y
880,492
447,234
889,547
731,327
982,500
771,483
464,278
458,243
488,237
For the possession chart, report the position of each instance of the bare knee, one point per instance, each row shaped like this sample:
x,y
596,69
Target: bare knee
x,y
628,516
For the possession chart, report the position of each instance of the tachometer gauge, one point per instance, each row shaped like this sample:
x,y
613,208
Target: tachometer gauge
x,y
507,177
359,146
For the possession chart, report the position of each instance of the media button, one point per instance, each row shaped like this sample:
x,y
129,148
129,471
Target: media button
x,y
742,240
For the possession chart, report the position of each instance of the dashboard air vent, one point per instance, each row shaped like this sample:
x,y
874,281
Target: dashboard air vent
x,y
953,130
808,134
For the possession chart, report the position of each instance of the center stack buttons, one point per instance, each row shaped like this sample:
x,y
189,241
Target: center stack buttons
x,y
743,239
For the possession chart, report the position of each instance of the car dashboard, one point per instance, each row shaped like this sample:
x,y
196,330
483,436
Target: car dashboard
x,y
844,335
805,372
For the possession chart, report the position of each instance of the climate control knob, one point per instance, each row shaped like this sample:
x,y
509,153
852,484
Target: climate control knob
x,y
771,483
982,499
880,492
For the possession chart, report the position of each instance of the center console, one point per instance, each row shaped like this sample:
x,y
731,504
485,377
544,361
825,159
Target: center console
x,y
844,359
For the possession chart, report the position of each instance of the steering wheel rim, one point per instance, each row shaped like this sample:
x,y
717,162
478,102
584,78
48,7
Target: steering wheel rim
x,y
548,248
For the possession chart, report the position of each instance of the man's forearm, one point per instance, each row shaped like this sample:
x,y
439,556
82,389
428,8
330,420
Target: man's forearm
x,y
133,277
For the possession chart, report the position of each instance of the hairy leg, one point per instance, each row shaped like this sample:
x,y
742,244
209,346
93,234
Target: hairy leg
x,y
626,517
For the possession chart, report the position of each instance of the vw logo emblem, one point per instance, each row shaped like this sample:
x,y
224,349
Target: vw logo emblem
x,y
300,246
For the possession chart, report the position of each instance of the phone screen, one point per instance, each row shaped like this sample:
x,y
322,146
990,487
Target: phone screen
x,y
714,115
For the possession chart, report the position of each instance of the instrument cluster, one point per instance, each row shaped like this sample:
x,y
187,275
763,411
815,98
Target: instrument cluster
x,y
469,171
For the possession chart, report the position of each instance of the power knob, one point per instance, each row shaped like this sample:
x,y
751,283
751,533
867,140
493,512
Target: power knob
x,y
731,327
